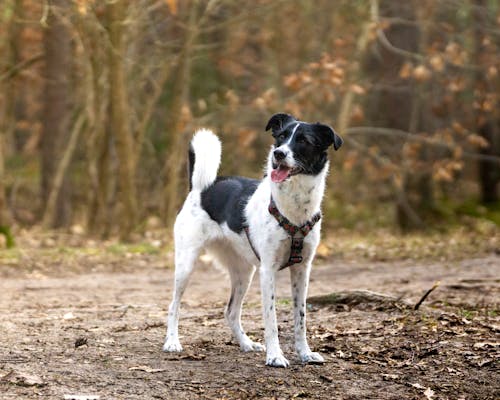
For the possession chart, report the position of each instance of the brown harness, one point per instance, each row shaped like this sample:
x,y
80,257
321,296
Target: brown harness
x,y
297,234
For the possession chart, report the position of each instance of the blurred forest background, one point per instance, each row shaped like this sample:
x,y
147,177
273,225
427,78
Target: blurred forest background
x,y
99,99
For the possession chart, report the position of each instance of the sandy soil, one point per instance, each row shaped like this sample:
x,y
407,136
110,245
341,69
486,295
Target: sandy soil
x,y
97,329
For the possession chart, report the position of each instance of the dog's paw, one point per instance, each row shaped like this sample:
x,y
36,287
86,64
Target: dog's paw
x,y
312,358
251,346
172,346
278,361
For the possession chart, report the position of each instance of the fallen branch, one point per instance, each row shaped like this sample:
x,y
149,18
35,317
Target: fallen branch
x,y
359,297
425,295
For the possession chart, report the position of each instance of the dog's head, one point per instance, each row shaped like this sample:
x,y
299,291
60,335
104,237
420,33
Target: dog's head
x,y
300,147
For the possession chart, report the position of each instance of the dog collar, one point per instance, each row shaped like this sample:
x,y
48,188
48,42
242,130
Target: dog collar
x,y
297,233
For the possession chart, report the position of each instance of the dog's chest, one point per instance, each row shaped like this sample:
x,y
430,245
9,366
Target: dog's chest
x,y
274,243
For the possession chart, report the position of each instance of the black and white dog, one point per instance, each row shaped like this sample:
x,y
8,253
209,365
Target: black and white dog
x,y
245,222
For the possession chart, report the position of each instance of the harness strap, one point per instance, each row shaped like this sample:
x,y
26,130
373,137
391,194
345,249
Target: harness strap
x,y
290,228
247,232
297,234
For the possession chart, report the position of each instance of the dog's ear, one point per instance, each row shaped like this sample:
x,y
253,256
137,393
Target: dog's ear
x,y
328,135
278,121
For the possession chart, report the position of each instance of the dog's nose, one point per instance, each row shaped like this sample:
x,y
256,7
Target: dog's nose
x,y
279,155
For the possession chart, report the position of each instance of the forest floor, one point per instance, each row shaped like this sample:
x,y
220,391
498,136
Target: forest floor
x,y
90,321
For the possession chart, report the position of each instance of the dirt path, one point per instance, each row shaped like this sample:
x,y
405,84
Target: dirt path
x,y
98,330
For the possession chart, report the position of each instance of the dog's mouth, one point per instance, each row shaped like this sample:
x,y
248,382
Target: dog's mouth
x,y
281,172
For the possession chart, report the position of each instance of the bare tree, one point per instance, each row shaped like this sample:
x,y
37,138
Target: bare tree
x,y
120,113
7,47
488,122
5,219
396,103
179,115
57,107
94,42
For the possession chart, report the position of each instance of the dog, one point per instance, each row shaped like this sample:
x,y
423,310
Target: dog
x,y
242,222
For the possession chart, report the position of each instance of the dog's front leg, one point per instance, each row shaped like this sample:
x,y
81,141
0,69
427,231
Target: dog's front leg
x,y
274,355
300,279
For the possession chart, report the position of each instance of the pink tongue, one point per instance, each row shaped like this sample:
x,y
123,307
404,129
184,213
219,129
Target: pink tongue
x,y
279,174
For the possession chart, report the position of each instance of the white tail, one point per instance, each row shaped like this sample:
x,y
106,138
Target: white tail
x,y
204,159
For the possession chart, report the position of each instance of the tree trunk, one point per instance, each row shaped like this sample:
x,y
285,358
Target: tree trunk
x,y
8,48
60,172
57,45
488,123
489,172
13,59
119,116
5,219
393,108
419,189
97,134
179,115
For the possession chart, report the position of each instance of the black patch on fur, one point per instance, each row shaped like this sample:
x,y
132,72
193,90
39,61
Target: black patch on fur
x,y
280,121
230,302
226,198
309,147
191,158
327,135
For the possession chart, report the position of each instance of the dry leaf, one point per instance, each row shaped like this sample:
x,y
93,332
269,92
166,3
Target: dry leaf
x,y
172,6
405,71
477,140
482,345
81,6
145,368
357,114
195,357
421,73
80,342
22,379
323,251
357,89
492,72
69,315
437,63
429,393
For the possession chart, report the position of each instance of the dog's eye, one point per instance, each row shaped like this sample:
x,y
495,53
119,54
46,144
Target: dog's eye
x,y
282,136
301,139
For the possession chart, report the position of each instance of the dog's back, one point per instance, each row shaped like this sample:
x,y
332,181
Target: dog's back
x,y
226,198
222,198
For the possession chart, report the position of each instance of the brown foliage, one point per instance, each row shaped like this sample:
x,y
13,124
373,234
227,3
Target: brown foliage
x,y
411,85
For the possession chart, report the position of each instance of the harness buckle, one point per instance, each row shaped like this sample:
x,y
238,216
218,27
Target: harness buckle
x,y
297,243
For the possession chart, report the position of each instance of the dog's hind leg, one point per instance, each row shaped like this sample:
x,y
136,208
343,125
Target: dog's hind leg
x,y
241,277
184,263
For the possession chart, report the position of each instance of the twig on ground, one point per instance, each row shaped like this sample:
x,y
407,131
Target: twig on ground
x,y
425,295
